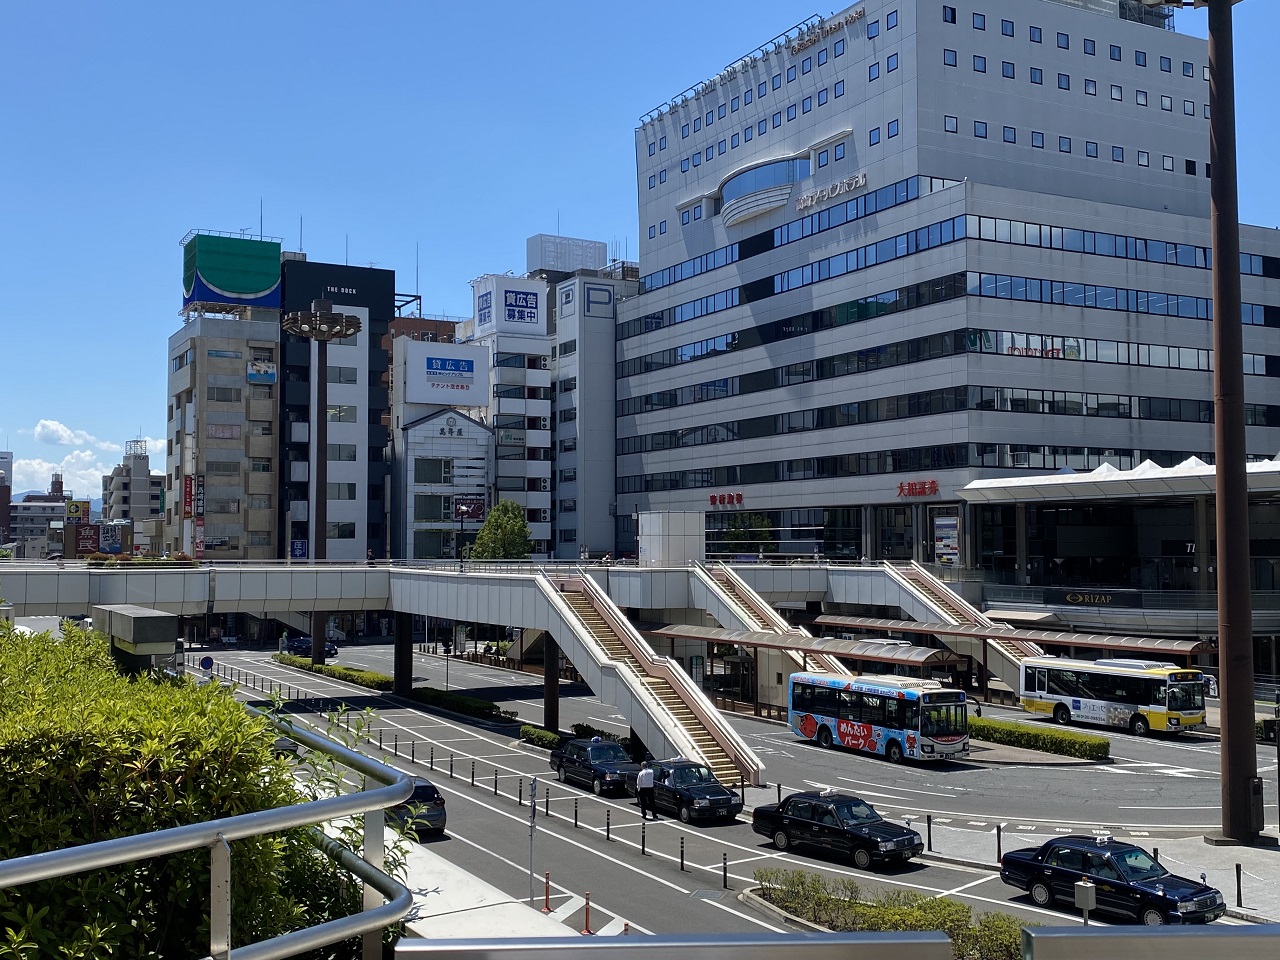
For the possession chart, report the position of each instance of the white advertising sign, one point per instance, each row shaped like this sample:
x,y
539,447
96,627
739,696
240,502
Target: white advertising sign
x,y
448,374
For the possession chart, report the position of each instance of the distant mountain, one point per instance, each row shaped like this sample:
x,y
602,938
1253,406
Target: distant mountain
x,y
95,506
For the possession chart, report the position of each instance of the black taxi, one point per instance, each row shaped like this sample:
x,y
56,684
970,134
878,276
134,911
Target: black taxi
x,y
689,790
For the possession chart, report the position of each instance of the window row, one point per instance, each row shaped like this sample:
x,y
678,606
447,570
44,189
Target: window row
x,y
927,403
949,456
1116,53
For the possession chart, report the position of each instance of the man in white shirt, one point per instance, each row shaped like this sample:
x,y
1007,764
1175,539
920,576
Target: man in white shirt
x,y
644,791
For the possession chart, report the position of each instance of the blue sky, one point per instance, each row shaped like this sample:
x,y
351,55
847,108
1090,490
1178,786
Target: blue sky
x,y
461,128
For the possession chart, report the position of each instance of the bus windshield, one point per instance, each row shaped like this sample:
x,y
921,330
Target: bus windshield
x,y
943,720
1186,696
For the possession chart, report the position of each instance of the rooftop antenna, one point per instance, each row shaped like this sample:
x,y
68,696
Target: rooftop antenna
x,y
299,233
557,221
417,287
259,218
346,256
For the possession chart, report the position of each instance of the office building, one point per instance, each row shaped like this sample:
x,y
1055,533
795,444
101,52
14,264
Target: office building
x,y
6,494
920,244
222,459
130,491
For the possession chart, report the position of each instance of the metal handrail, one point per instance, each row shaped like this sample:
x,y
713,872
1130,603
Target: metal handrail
x,y
216,833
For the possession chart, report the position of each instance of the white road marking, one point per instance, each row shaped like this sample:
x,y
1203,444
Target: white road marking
x,y
972,883
739,913
568,909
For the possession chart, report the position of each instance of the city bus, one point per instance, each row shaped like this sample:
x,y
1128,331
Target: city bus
x,y
1142,695
894,717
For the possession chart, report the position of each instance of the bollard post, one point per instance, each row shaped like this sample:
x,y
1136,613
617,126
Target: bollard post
x,y
433,756
682,854
626,928
607,824
520,793
473,773
1239,892
1155,854
546,797
546,895
998,855
395,744
575,811
413,750
928,822
495,781
643,851
379,738
779,793
451,766
586,930
724,866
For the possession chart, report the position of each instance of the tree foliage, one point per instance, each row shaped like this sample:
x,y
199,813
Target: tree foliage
x,y
505,534
88,755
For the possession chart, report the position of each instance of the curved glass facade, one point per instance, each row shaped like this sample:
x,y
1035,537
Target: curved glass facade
x,y
761,178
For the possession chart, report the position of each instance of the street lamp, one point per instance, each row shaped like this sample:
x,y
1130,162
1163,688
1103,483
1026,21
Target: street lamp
x,y
1235,616
463,511
320,324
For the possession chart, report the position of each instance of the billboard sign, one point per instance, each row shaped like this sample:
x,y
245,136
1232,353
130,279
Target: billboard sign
x,y
298,549
510,305
520,306
188,495
78,511
447,374
199,539
484,309
86,541
510,437
233,270
199,497
468,508
946,540
261,371
110,540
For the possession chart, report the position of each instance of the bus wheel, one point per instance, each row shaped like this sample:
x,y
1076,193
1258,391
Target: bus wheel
x,y
1139,726
824,737
1061,714
893,751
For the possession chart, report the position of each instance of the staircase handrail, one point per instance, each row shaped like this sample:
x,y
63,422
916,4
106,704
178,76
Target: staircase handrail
x,y
763,610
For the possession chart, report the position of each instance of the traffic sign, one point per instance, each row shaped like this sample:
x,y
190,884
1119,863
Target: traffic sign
x,y
298,549
206,663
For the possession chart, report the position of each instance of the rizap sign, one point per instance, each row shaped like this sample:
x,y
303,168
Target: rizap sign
x,y
832,190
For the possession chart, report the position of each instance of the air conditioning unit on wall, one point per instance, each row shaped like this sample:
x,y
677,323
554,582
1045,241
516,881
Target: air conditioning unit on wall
x,y
544,483
544,515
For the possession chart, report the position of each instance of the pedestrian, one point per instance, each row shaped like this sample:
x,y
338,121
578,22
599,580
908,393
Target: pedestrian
x,y
369,557
644,791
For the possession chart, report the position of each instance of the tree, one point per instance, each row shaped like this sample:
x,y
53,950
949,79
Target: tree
x,y
505,534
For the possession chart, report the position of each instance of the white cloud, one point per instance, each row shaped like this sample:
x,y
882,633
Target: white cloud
x,y
82,469
57,434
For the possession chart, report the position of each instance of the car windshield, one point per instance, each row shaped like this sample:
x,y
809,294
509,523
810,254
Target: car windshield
x,y
424,793
691,776
1186,696
856,812
944,720
608,753
1137,864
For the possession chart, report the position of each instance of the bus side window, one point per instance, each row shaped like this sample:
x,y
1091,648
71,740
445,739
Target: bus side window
x,y
893,714
911,714
1042,679
848,705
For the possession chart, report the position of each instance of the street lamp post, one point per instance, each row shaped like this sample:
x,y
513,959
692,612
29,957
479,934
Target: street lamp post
x,y
320,324
1235,616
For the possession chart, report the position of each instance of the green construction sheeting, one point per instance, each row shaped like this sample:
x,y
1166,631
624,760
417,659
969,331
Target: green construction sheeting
x,y
233,265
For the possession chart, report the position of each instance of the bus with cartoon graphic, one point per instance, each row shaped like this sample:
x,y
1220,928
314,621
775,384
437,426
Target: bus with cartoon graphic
x,y
895,717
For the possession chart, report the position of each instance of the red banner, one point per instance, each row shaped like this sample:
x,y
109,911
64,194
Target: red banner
x,y
188,495
199,544
86,539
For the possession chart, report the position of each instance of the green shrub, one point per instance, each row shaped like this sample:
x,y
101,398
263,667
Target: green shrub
x,y
459,703
838,904
1067,743
361,678
88,755
539,737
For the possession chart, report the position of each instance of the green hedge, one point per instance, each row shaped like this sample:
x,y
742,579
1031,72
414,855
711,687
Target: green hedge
x,y
1046,739
839,904
539,737
89,755
456,702
361,678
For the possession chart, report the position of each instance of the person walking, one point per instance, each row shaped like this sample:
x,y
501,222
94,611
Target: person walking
x,y
644,791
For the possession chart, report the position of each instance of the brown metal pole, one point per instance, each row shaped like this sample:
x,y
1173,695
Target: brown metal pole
x,y
319,515
1235,619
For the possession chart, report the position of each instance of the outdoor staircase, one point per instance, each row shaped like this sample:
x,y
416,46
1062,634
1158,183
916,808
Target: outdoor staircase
x,y
721,764
957,610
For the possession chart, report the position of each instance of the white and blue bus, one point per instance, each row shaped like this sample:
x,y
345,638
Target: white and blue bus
x,y
895,717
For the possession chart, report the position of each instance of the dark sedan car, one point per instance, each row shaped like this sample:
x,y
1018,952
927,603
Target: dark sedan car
x,y
838,824
423,814
301,646
1130,883
597,763
689,790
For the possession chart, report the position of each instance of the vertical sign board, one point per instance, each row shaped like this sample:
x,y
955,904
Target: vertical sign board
x,y
298,549
86,541
199,505
188,495
199,544
109,540
78,511
946,540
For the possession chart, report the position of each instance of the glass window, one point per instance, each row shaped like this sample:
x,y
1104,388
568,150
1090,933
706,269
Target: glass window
x,y
892,63
948,58
684,217
1190,167
1117,154
1188,69
893,128
979,21
653,231
1168,163
697,124
762,127
952,125
838,50
762,89
662,227
1037,139
806,104
1144,158
806,65
823,158
979,64
653,148
791,73
1116,92
697,212
822,56
839,151
891,20
684,165
711,152
1064,42
1140,97
1064,81
662,175
948,14
1037,75
874,136
763,177
1189,108
839,88
1115,52
746,95
1090,88
873,29
776,81
733,141
720,111
684,131
697,159
653,181
1089,48
980,129
791,111
822,97
1166,102
1140,58
1006,70
1006,28
1064,144
777,119
873,71
721,147
1036,35
1090,148
1010,135
1166,65
662,143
